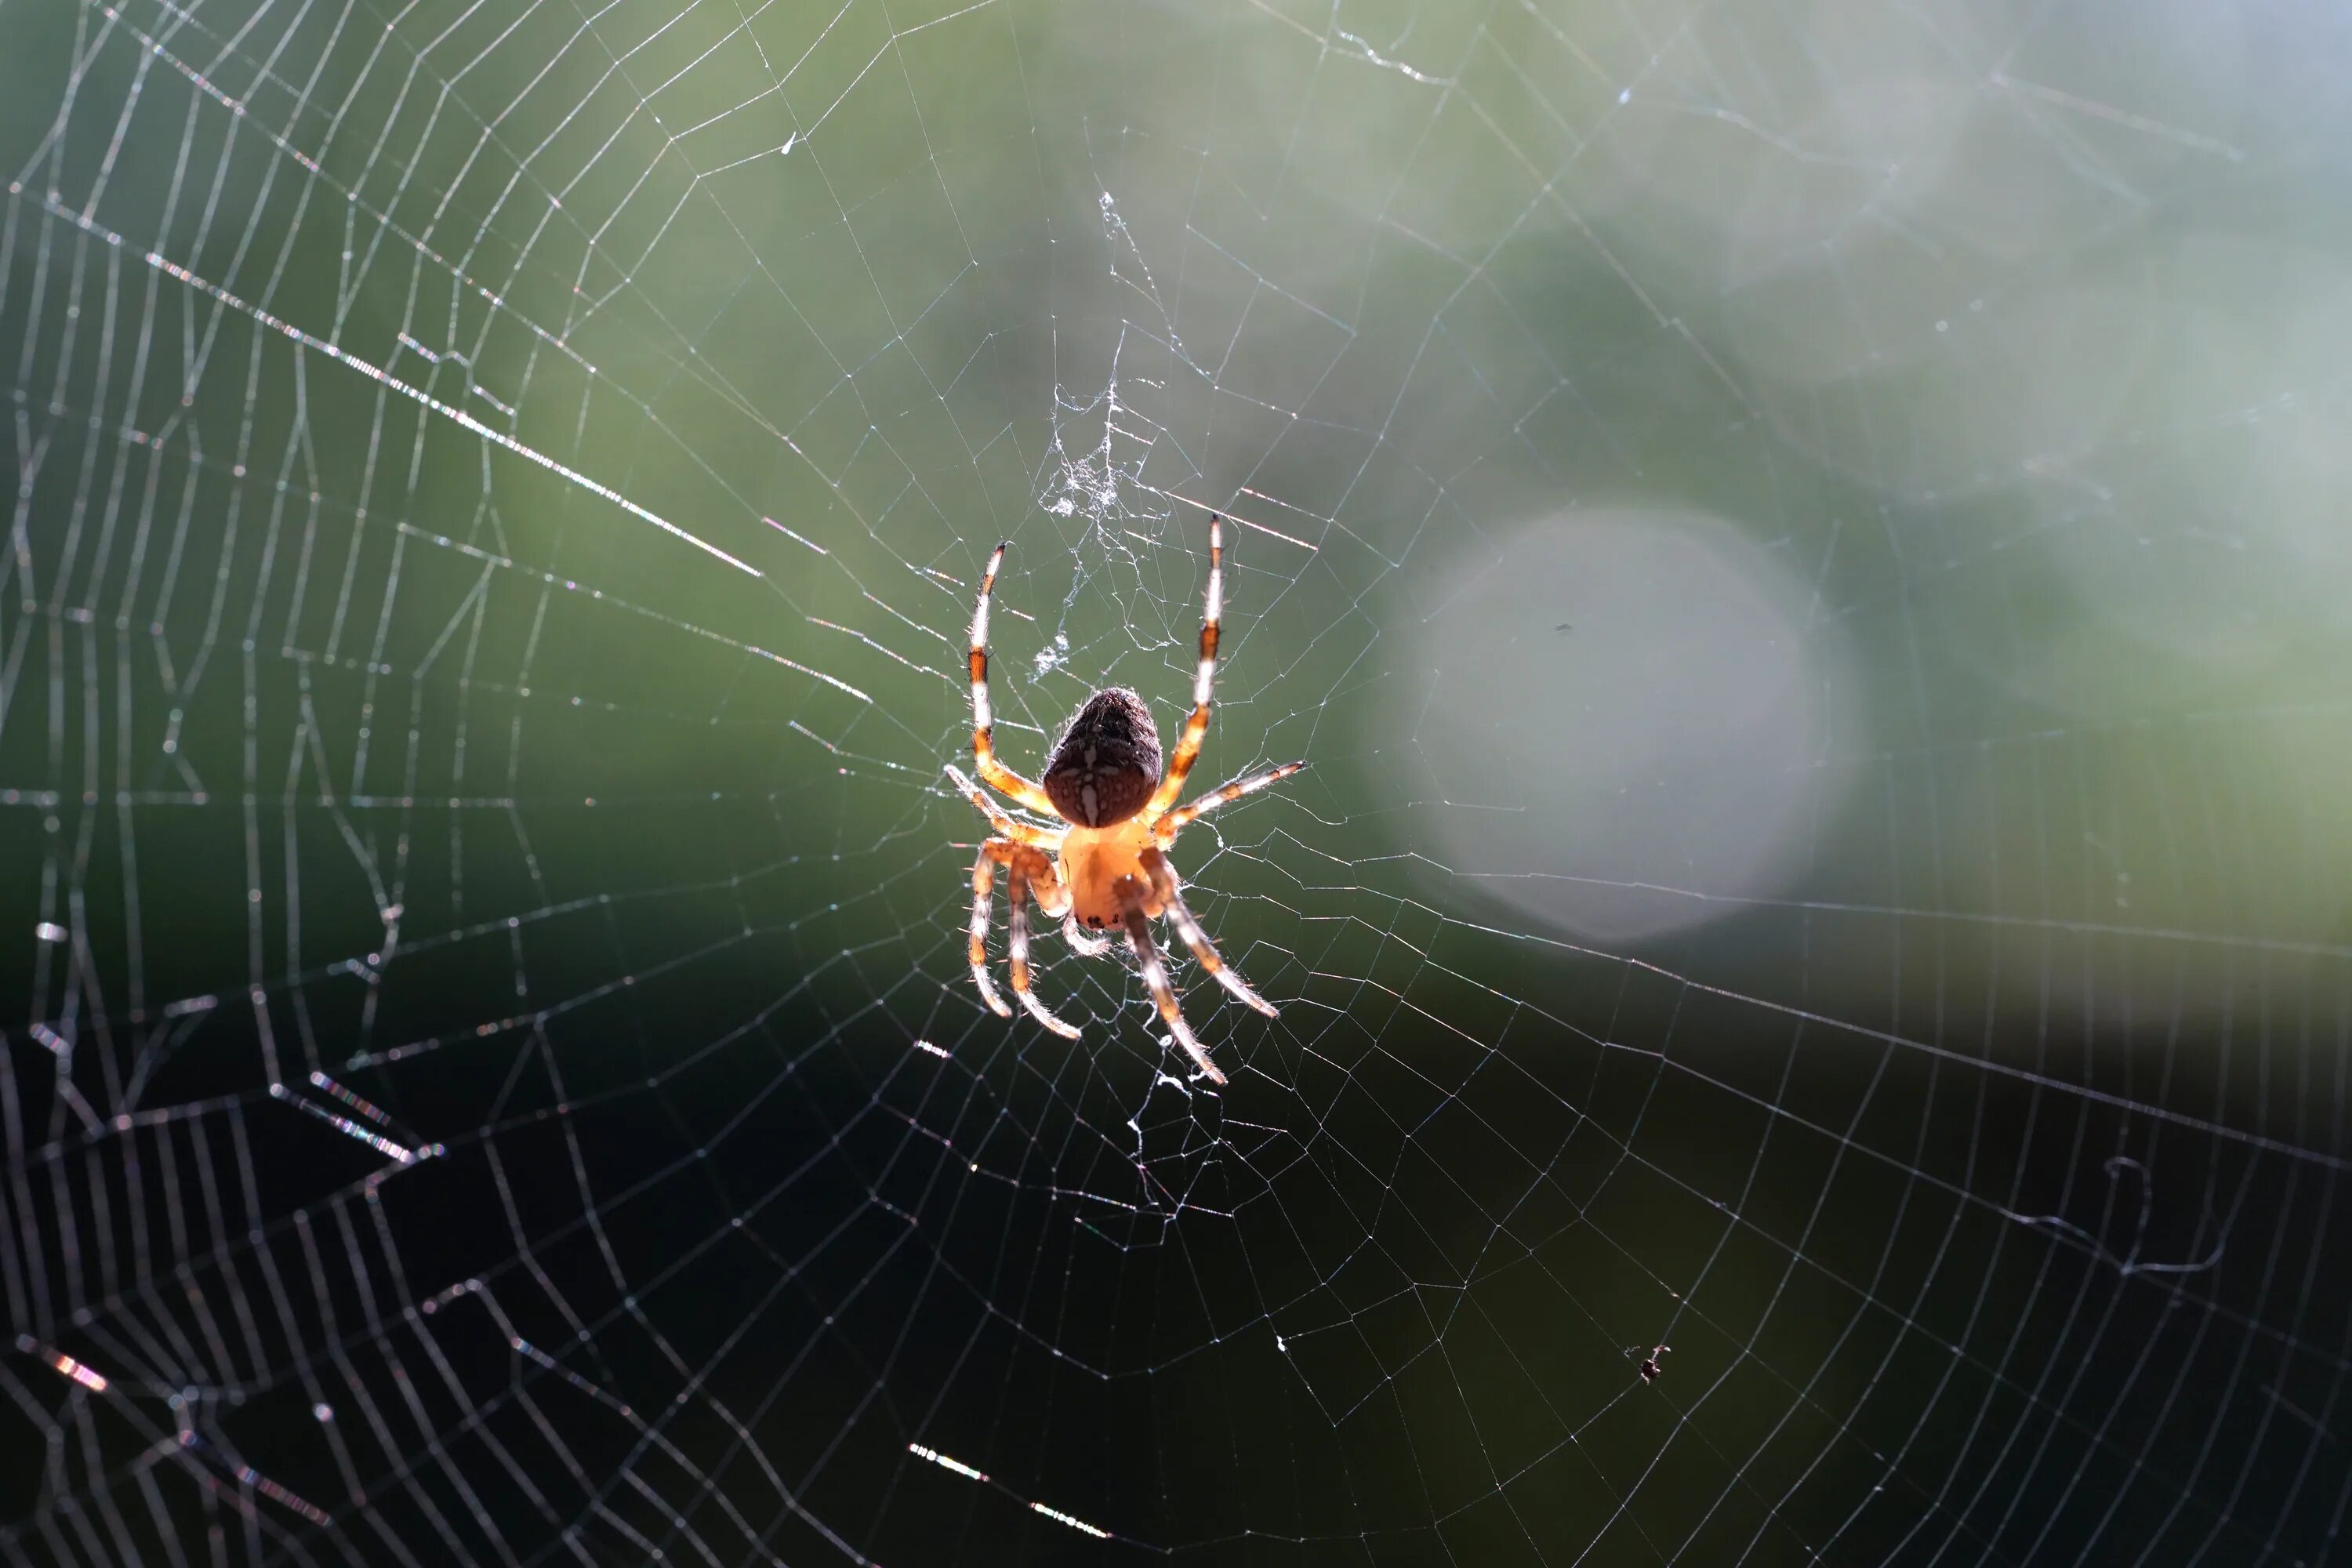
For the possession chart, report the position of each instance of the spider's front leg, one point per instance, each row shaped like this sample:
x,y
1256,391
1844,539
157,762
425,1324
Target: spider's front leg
x,y
1030,875
1133,899
1052,896
1172,898
1033,876
992,852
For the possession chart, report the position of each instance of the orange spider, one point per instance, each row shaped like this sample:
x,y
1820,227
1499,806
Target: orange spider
x,y
1107,865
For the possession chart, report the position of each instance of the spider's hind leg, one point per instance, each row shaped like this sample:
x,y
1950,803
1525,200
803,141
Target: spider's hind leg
x,y
1023,791
1021,833
1204,676
1165,830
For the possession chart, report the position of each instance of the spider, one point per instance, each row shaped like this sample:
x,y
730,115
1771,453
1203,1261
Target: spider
x,y
1107,865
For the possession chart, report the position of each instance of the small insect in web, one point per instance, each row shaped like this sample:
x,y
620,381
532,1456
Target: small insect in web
x,y
1106,864
1652,1364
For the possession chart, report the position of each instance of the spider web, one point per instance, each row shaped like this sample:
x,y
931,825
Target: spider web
x,y
1803,547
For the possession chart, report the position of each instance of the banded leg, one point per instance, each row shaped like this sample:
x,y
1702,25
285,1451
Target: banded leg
x,y
1023,791
1188,746
983,879
1172,898
1017,889
1155,979
1021,833
1183,816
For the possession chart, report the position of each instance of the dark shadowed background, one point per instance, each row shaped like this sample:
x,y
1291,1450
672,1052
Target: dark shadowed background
x,y
1806,545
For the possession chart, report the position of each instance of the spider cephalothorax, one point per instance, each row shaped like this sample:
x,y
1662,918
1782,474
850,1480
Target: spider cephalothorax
x,y
1107,865
1107,763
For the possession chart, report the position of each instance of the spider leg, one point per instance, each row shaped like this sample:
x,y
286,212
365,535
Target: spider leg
x,y
1188,746
1017,894
1021,833
1055,899
1045,885
1155,979
983,723
1183,816
1080,939
983,878
1164,882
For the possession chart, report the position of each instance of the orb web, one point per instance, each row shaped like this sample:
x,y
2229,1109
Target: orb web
x,y
1812,955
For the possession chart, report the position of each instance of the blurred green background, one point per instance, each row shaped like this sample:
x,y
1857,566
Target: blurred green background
x,y
1805,547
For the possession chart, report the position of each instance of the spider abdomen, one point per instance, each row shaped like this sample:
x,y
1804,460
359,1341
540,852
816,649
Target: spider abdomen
x,y
1107,763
